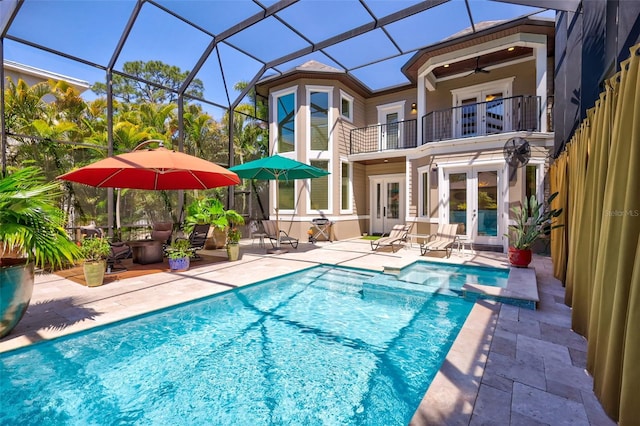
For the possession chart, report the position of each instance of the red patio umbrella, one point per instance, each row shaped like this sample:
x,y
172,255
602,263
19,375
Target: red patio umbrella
x,y
153,169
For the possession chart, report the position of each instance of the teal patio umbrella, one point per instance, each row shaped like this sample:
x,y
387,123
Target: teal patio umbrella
x,y
277,167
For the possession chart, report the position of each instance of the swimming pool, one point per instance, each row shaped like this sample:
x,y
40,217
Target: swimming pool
x,y
311,347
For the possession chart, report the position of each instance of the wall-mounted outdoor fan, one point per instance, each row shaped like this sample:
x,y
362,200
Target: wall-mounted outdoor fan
x,y
517,153
478,69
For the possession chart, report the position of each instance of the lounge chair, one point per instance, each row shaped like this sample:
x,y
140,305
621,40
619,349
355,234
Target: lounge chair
x,y
197,239
397,236
271,230
442,240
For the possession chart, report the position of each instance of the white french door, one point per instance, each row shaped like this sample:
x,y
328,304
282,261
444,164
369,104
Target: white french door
x,y
389,117
472,197
482,109
387,203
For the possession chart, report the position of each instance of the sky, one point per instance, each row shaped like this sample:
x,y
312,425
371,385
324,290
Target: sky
x,y
93,29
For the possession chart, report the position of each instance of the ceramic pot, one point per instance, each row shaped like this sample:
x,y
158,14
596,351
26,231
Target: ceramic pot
x,y
233,251
94,273
179,265
519,258
16,288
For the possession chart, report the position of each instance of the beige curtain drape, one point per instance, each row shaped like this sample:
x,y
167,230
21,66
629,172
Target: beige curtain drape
x,y
559,183
577,168
602,189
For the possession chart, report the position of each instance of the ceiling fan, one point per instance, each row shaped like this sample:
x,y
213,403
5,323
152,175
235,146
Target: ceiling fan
x,y
478,69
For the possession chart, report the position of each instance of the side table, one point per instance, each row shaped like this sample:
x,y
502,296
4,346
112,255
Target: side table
x,y
146,251
464,241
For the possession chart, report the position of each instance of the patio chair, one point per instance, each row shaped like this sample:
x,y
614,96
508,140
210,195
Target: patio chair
x,y
256,230
396,237
442,240
197,239
271,230
162,232
119,250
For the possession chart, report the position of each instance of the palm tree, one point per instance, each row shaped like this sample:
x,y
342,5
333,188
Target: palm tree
x,y
31,224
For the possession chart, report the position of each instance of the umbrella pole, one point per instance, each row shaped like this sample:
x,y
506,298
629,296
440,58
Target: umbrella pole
x,y
277,217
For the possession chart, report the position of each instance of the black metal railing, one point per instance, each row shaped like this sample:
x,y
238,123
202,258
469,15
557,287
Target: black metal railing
x,y
382,137
518,113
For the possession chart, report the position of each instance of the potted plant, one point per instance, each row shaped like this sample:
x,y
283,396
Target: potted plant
x,y
31,234
532,222
233,243
212,211
178,253
94,251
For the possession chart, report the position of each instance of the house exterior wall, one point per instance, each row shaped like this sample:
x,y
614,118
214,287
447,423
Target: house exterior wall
x,y
407,96
436,159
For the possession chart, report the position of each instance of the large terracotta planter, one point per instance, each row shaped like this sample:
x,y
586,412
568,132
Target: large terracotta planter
x,y
519,258
216,239
16,288
94,273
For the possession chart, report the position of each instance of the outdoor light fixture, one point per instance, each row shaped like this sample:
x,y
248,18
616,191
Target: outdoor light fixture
x,y
446,65
511,49
414,108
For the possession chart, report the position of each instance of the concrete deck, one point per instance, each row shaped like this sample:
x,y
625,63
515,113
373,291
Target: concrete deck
x,y
508,365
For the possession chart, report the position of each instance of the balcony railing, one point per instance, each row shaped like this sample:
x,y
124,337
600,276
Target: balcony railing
x,y
518,113
382,137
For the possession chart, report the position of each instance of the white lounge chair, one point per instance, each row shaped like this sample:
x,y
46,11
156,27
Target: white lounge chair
x,y
397,236
442,240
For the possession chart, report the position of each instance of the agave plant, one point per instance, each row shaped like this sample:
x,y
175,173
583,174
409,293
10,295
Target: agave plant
x,y
31,223
532,222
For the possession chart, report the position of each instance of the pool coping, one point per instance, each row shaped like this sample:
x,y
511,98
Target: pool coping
x,y
522,288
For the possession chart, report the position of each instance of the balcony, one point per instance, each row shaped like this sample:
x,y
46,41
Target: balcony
x,y
518,113
383,137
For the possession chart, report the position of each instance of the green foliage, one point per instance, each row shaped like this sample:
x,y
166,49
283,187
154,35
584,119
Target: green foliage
x,y
211,211
69,132
95,249
178,249
233,236
164,75
31,223
533,221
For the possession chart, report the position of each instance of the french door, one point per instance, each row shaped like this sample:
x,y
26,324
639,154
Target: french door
x,y
472,198
389,117
387,203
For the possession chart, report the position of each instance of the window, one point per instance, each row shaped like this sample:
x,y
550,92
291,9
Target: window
x,y
286,194
319,196
319,120
285,119
423,188
531,181
346,106
345,186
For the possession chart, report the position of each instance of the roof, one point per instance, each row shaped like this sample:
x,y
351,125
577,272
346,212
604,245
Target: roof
x,y
222,42
44,75
480,33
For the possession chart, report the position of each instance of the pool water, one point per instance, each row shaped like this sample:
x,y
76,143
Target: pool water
x,y
453,277
319,346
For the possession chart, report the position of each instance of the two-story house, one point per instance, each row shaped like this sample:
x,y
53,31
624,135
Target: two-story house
x,y
467,139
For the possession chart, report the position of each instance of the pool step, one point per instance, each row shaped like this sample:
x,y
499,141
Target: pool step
x,y
426,288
